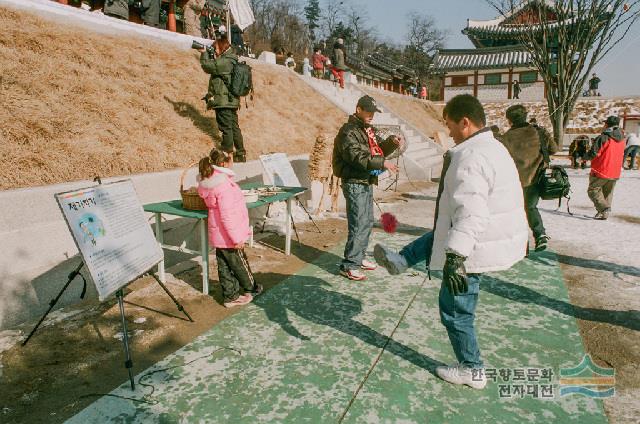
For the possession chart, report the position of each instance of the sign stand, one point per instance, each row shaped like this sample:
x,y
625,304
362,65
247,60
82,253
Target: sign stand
x,y
120,296
100,243
128,363
53,302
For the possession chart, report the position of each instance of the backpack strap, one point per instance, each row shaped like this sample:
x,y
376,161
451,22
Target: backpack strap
x,y
544,146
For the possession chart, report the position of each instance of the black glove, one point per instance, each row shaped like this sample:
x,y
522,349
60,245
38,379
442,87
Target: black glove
x,y
454,275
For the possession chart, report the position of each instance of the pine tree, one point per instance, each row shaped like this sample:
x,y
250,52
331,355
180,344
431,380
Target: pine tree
x,y
312,13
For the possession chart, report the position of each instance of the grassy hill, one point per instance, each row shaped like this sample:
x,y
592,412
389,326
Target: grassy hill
x,y
76,104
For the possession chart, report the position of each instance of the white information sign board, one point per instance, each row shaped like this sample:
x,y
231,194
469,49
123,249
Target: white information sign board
x,y
278,170
112,234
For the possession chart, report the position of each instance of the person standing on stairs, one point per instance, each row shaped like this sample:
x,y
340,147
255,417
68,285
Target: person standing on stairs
x,y
358,158
338,65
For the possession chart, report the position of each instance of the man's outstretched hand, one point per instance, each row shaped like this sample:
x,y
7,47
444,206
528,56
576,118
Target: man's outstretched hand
x,y
454,274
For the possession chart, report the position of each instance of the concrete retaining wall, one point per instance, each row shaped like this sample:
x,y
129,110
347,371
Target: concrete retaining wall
x,y
38,252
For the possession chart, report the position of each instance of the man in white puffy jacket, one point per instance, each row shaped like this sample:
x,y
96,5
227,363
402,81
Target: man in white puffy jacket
x,y
479,226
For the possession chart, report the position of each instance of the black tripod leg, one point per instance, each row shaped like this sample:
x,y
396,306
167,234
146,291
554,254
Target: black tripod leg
x,y
128,363
178,305
309,215
53,302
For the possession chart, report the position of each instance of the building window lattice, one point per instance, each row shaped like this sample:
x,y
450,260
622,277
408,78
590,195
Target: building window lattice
x,y
493,79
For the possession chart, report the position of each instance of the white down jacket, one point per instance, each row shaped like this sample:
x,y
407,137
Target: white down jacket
x,y
481,210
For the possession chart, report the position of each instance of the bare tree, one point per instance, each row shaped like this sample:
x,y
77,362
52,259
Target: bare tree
x,y
332,15
566,39
423,34
423,41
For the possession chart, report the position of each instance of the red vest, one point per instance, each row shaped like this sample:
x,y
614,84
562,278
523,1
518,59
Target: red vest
x,y
608,162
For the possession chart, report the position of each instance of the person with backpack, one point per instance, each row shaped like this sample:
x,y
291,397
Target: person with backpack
x,y
525,143
220,96
607,154
358,158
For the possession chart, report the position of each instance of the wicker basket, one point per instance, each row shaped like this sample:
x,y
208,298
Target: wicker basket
x,y
190,198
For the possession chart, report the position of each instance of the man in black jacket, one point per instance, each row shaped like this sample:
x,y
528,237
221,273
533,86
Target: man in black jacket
x,y
358,158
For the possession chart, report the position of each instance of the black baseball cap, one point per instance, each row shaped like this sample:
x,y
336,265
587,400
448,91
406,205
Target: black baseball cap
x,y
368,104
612,121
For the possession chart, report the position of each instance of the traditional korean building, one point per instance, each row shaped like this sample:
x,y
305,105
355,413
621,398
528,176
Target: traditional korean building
x,y
489,70
378,71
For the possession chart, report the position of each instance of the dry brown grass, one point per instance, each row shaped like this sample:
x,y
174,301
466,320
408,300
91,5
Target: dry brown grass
x,y
423,115
75,104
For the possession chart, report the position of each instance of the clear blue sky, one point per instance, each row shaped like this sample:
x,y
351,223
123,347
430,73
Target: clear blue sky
x,y
619,70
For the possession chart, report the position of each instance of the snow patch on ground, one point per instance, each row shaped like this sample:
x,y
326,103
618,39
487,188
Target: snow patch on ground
x,y
616,240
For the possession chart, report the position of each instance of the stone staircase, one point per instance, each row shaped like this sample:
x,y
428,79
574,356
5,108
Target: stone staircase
x,y
422,161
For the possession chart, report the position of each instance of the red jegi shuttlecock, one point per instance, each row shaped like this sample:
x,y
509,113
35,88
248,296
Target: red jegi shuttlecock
x,y
389,222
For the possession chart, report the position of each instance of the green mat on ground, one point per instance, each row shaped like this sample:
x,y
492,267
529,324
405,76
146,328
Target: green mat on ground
x,y
306,350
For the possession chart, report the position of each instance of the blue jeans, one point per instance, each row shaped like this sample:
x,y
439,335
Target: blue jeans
x,y
418,250
457,313
359,199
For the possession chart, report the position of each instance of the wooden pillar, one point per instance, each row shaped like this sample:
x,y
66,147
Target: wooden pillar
x,y
510,83
475,83
171,17
442,81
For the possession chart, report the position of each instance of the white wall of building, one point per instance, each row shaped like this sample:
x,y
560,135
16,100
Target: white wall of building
x,y
494,92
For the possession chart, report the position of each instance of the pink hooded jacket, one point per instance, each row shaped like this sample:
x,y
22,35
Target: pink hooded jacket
x,y
228,214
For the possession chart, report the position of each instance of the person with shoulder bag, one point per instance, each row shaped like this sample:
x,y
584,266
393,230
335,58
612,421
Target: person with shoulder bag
x,y
526,144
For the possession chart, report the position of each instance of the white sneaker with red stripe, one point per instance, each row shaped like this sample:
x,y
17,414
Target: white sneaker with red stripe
x,y
368,265
353,274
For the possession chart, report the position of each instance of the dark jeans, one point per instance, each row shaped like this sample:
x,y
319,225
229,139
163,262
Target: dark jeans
x,y
457,313
600,192
531,199
631,152
227,120
359,199
234,272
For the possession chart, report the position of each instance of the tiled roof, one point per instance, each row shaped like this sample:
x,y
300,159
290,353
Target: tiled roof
x,y
472,59
508,31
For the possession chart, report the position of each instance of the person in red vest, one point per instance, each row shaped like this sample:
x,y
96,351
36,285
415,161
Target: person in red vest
x,y
608,153
423,92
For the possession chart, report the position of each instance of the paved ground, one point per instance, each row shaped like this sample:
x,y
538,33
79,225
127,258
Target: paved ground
x,y
321,349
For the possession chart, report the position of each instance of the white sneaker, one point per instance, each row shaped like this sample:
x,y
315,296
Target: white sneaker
x,y
367,265
393,262
353,274
458,374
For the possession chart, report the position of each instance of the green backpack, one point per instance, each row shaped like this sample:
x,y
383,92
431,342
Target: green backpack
x,y
241,80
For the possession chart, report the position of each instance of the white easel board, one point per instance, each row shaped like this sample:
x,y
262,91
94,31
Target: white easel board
x,y
112,234
278,170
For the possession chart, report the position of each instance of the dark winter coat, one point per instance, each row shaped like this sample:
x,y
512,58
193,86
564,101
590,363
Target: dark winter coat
x,y
220,69
608,154
523,143
338,61
352,158
119,8
151,12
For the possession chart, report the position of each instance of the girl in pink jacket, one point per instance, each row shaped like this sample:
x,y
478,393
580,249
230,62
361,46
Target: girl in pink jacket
x,y
228,228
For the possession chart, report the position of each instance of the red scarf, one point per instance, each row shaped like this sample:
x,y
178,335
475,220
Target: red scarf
x,y
373,144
